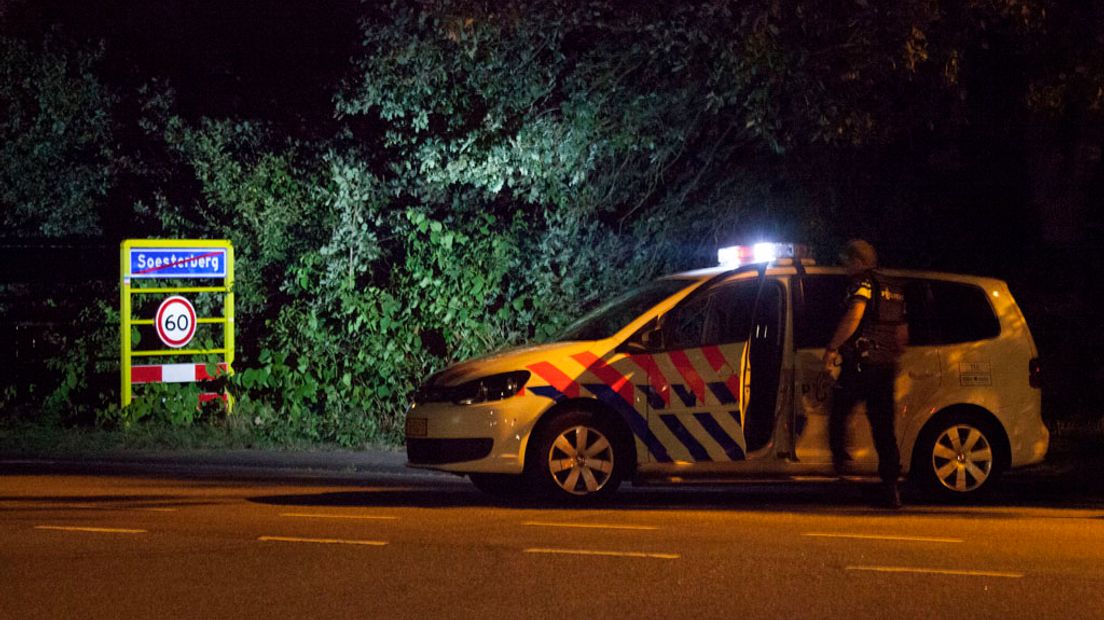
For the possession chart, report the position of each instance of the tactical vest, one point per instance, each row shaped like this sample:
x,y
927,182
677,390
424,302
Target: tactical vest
x,y
878,339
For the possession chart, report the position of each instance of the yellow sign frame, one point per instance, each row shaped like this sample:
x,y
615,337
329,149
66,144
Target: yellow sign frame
x,y
127,290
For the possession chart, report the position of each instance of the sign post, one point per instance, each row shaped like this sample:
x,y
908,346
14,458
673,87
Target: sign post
x,y
149,260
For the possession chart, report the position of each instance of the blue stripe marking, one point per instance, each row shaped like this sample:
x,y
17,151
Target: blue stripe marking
x,y
697,450
655,401
711,426
547,391
685,395
736,416
637,424
723,394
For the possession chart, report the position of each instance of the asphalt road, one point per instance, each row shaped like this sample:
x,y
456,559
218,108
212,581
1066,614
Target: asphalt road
x,y
121,542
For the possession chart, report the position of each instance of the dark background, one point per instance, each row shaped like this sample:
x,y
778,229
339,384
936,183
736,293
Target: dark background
x,y
1006,191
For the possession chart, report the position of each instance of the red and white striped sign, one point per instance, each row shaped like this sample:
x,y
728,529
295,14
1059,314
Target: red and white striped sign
x,y
173,373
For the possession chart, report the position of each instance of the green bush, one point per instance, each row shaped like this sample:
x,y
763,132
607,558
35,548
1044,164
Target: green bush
x,y
499,168
58,152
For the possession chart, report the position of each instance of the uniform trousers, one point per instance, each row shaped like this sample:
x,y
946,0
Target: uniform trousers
x,y
872,383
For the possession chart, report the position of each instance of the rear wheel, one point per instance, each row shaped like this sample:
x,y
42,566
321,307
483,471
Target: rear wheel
x,y
959,457
577,456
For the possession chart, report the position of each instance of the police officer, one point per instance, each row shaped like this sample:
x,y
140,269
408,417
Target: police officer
x,y
867,344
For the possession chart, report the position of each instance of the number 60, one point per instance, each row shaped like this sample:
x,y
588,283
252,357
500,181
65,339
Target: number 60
x,y
178,322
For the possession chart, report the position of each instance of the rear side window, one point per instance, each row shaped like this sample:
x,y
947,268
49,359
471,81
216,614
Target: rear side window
x,y
939,312
948,312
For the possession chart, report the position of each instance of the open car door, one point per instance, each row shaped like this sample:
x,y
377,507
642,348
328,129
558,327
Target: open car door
x,y
716,351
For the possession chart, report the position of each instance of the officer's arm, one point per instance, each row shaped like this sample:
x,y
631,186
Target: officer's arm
x,y
848,324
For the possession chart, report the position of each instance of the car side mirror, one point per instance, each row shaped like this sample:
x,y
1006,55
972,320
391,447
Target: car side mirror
x,y
651,338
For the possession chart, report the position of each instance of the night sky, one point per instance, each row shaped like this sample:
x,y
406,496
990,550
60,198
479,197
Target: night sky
x,y
278,60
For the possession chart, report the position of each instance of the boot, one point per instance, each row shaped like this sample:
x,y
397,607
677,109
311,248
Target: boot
x,y
891,495
842,465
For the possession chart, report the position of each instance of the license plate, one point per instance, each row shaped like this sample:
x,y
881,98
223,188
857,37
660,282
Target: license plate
x,y
416,427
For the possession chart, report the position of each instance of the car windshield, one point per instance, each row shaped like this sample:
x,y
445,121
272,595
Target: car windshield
x,y
605,320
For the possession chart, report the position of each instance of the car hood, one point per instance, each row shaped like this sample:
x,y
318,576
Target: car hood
x,y
514,359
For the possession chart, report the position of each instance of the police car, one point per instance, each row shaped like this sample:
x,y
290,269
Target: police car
x,y
716,375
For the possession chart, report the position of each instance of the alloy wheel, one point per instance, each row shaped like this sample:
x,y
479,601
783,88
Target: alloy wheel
x,y
581,460
962,458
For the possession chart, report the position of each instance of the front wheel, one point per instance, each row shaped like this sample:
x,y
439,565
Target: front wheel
x,y
576,456
959,457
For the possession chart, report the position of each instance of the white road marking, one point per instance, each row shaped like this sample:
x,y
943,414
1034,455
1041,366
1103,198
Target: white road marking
x,y
322,541
38,505
935,571
882,537
619,554
310,515
73,528
52,506
596,526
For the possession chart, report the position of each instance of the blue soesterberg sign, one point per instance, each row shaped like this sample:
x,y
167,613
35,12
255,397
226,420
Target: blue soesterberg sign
x,y
177,262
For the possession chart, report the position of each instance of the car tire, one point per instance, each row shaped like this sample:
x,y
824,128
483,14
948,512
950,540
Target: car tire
x,y
577,456
959,456
502,486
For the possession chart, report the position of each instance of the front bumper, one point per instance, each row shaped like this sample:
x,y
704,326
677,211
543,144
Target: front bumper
x,y
427,451
480,438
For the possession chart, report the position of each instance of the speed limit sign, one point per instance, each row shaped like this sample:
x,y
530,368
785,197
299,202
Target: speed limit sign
x,y
176,321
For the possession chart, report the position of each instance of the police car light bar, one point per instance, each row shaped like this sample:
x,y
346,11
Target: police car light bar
x,y
736,255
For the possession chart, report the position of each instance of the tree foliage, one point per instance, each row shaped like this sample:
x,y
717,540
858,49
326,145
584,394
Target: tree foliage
x,y
56,139
501,166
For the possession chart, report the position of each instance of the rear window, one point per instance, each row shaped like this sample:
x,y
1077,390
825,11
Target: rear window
x,y
939,312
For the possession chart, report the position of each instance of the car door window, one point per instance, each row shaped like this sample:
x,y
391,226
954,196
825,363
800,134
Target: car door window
x,y
683,327
824,299
718,316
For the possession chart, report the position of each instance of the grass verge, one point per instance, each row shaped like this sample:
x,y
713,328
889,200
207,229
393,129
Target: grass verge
x,y
45,439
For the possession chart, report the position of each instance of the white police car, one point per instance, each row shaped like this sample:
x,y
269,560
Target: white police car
x,y
716,375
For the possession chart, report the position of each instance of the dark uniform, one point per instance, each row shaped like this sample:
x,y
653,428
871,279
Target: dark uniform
x,y
869,370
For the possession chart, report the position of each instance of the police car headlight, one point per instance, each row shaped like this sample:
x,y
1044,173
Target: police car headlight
x,y
486,389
